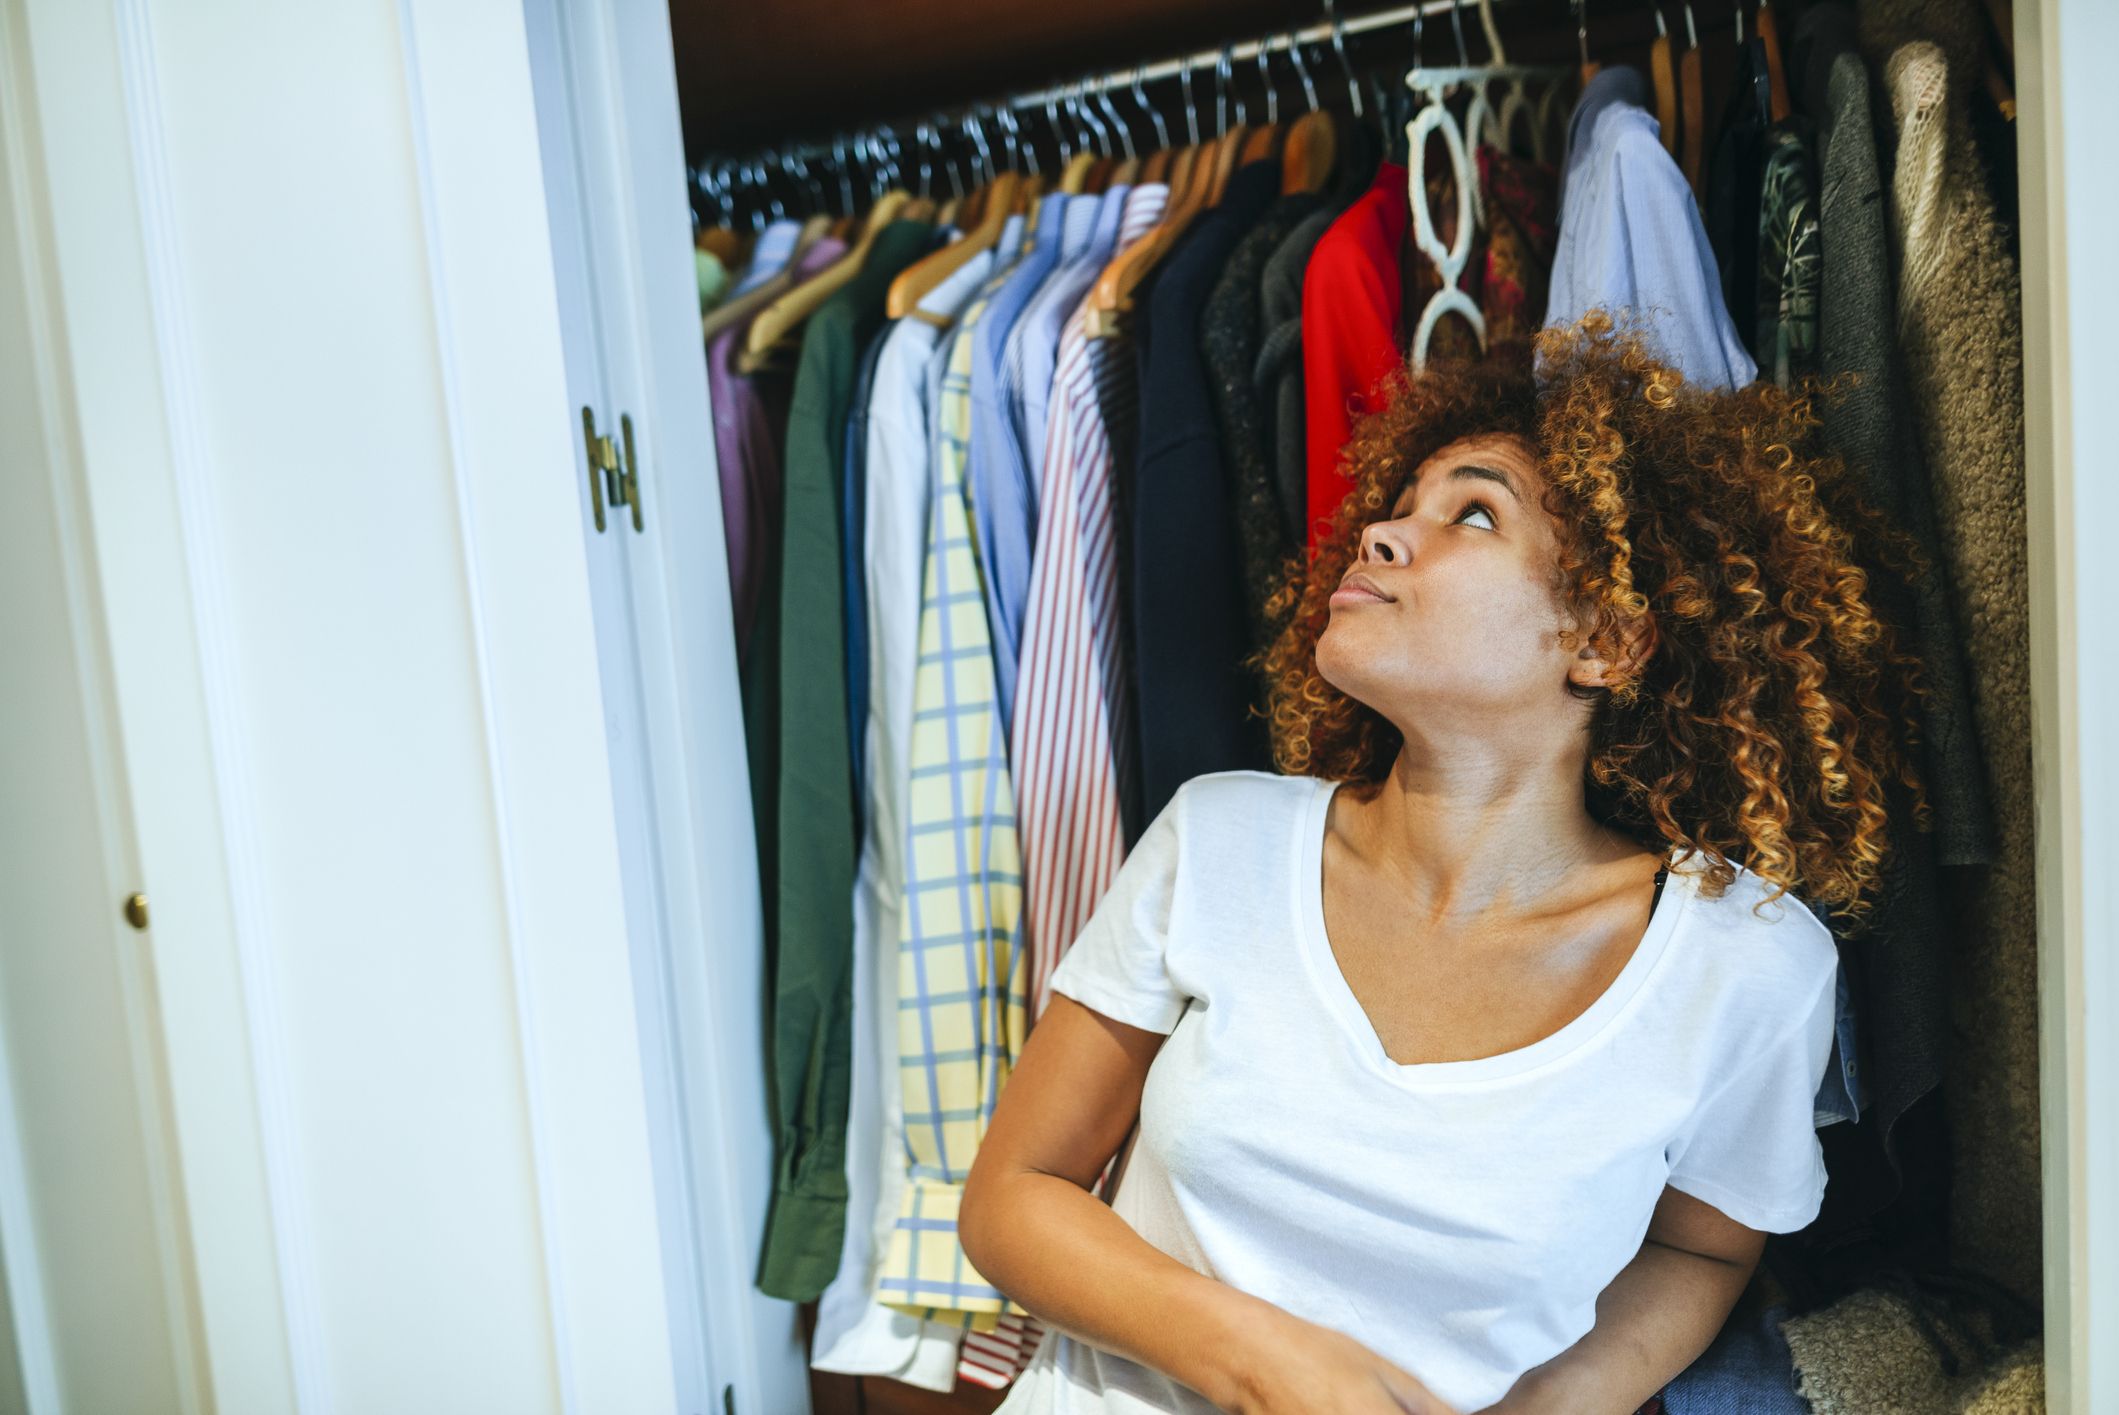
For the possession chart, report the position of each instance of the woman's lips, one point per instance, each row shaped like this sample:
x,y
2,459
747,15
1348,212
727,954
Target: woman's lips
x,y
1359,589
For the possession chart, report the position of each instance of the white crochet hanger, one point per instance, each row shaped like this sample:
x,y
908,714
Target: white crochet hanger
x,y
1435,86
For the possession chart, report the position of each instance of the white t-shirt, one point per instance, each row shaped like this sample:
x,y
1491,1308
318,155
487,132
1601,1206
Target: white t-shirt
x,y
1460,1218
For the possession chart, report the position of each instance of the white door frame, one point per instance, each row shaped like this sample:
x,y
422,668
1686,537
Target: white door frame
x,y
2068,129
614,158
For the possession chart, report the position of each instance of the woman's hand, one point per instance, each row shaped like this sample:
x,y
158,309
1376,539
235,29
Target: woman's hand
x,y
1300,1368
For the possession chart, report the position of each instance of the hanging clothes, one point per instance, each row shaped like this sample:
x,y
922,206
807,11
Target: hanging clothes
x,y
712,277
1231,334
1735,182
812,970
750,414
773,250
1195,696
1277,373
962,968
1002,479
1523,216
1960,328
1631,240
1070,763
856,1334
1352,337
1790,256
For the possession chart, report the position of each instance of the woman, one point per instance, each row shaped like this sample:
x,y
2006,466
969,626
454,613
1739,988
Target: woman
x,y
1474,1058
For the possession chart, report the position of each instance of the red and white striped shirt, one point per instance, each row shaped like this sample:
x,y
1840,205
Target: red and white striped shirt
x,y
1071,698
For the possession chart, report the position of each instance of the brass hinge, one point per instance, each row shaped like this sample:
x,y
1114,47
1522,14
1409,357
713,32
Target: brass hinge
x,y
611,478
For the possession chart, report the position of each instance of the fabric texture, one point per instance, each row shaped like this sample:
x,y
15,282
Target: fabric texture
x,y
812,1035
1033,344
1231,332
1278,371
1888,1200
1730,206
1003,484
1745,1371
853,601
1069,759
1960,326
1523,219
1875,1353
750,414
1631,241
1352,332
1459,1217
962,971
1196,697
712,275
1790,256
856,1334
769,255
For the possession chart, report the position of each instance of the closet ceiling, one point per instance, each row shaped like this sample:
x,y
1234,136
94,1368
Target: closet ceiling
x,y
749,73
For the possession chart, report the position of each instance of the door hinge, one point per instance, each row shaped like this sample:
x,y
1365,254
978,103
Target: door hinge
x,y
612,478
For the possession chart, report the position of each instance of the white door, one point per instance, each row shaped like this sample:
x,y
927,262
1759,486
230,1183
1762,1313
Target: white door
x,y
96,1280
621,242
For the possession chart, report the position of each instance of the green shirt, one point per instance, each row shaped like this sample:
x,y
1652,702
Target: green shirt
x,y
811,962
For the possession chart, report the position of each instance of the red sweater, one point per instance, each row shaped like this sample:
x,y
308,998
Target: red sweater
x,y
1351,329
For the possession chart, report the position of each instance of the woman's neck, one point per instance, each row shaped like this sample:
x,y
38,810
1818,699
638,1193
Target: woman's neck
x,y
1482,826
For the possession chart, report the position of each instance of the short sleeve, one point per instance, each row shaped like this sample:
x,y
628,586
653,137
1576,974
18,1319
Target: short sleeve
x,y
1751,1148
1118,963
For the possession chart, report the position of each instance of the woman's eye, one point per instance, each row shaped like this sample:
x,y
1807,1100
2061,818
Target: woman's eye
x,y
1478,508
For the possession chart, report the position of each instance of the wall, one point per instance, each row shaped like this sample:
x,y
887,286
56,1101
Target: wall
x,y
326,469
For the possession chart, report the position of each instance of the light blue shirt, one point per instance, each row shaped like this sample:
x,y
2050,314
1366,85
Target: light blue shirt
x,y
1003,498
1033,349
1631,241
769,255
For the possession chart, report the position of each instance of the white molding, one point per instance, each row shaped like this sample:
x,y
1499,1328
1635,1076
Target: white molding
x,y
535,1087
21,1261
656,365
2066,129
177,362
511,458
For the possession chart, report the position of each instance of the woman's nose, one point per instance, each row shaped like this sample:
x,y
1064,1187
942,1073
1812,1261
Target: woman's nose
x,y
1385,543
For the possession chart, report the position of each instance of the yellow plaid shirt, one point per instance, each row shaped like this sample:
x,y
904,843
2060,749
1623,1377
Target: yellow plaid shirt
x,y
963,975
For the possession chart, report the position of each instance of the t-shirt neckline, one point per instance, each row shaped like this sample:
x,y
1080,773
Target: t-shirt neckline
x,y
1331,983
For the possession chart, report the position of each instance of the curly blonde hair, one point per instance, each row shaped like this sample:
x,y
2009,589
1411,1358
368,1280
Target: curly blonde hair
x,y
1776,709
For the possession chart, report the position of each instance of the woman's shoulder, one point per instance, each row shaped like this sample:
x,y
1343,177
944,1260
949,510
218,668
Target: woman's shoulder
x,y
1765,938
1212,795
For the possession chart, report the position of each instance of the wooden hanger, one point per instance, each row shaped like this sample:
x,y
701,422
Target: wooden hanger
x,y
1115,283
1692,104
780,319
743,306
1769,36
915,281
1311,146
1074,179
1589,66
1664,70
726,245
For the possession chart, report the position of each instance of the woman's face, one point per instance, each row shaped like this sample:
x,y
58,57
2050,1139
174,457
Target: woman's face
x,y
1449,615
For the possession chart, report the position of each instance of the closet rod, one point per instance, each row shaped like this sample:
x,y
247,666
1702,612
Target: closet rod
x,y
1124,78
1249,49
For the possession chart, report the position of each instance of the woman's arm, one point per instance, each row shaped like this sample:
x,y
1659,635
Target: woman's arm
x,y
1031,1227
1653,1320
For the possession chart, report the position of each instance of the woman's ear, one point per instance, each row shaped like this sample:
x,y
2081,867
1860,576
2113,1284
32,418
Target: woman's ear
x,y
1637,642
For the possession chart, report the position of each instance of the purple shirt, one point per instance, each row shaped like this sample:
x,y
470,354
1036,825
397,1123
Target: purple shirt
x,y
750,414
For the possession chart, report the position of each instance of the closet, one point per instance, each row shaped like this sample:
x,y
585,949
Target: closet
x,y
383,1000
779,124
